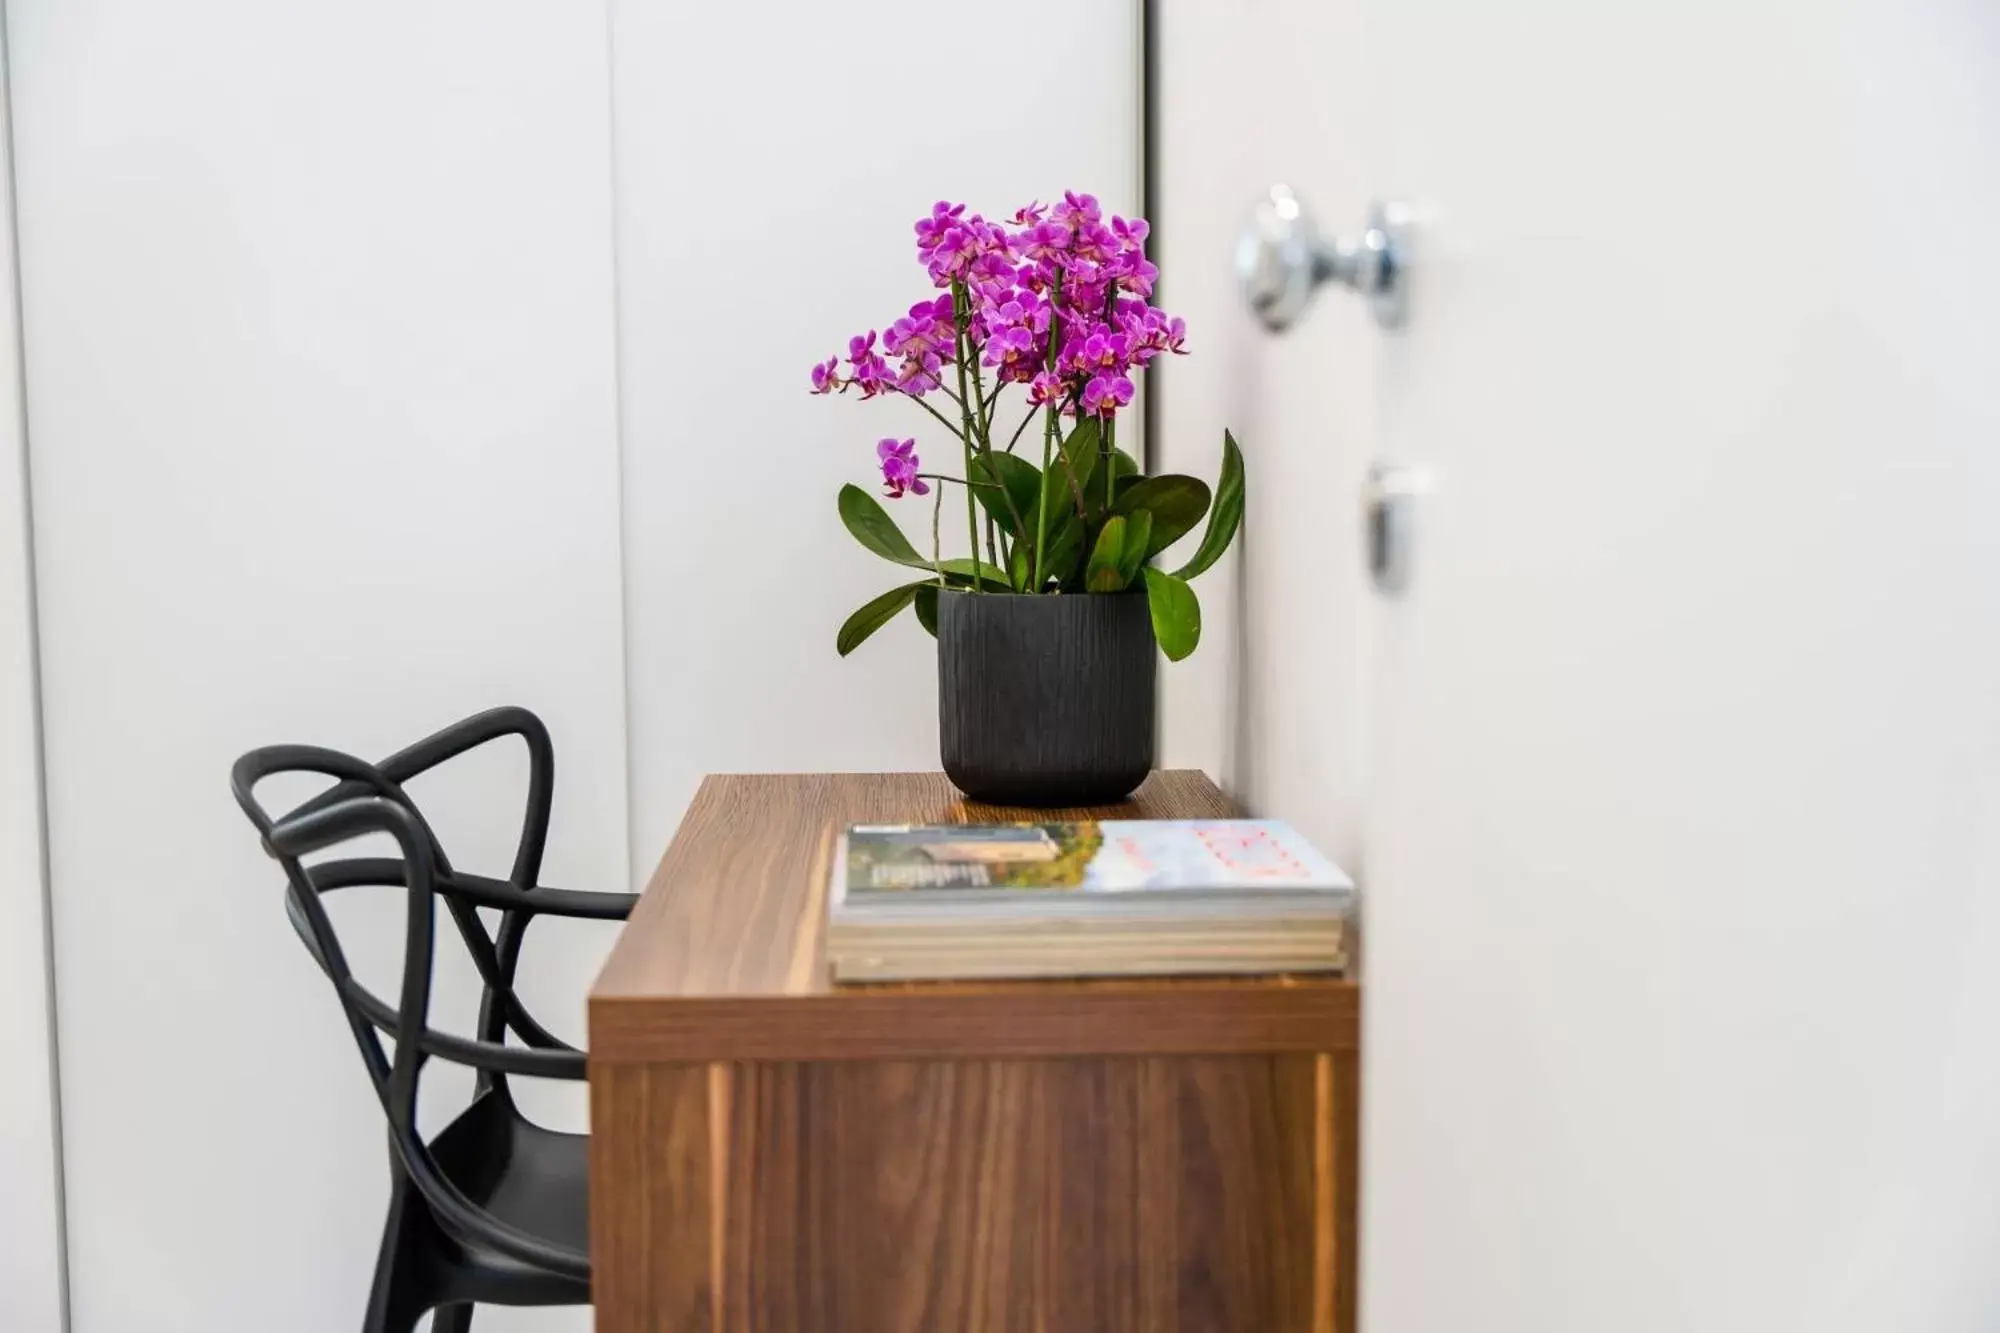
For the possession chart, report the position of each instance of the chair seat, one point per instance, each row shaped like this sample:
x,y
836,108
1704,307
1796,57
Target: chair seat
x,y
533,1179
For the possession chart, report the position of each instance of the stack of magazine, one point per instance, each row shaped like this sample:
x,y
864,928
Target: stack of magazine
x,y
1109,898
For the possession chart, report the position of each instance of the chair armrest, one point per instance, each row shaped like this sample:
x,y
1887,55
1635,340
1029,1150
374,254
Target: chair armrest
x,y
545,1055
468,734
484,891
473,732
387,778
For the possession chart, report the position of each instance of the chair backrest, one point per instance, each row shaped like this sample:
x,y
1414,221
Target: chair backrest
x,y
369,799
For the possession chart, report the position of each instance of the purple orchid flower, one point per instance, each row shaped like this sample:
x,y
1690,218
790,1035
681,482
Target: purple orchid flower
x,y
927,328
992,270
1104,350
1105,394
826,376
873,377
1067,272
943,216
866,368
1010,346
1095,242
953,254
1134,273
1076,209
899,469
1044,243
918,375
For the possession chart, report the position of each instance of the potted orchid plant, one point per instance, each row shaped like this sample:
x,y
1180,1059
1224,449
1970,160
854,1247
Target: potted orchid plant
x,y
1048,620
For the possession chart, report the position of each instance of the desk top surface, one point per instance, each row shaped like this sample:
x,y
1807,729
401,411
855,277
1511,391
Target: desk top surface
x,y
723,957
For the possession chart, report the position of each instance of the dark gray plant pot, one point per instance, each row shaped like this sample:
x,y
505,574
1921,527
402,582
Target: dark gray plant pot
x,y
1046,701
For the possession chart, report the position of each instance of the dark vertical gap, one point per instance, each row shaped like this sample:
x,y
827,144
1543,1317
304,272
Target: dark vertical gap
x,y
1149,208
1149,197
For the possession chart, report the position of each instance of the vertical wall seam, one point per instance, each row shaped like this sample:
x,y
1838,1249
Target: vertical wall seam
x,y
1148,57
634,868
1149,206
38,734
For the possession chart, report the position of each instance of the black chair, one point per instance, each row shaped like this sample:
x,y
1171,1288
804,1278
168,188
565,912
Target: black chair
x,y
495,1208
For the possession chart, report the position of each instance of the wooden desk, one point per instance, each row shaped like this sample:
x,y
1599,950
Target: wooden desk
x,y
771,1154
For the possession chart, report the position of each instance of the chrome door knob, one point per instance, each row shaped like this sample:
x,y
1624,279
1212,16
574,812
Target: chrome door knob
x,y
1282,259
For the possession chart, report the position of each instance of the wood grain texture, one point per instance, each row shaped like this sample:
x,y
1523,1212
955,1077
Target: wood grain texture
x,y
1344,1070
1138,1195
654,1208
722,958
771,1154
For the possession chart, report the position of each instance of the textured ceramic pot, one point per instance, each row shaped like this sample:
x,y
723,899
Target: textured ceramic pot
x,y
1046,700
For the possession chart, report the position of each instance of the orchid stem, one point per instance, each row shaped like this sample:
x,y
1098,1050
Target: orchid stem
x,y
985,441
1048,435
1107,461
958,304
1042,513
942,418
959,481
980,418
1020,428
937,534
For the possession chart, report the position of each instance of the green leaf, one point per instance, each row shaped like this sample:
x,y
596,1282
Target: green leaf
x,y
874,529
874,615
1177,504
1081,451
1124,472
1100,573
927,607
1004,477
1082,445
959,569
1138,535
1224,517
1059,560
1021,566
1176,614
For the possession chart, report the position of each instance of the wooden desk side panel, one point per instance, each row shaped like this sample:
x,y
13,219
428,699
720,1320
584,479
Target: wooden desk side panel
x,y
654,1207
1126,1195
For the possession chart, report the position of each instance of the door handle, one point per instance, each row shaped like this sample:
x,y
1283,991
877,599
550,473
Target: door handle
x,y
1282,259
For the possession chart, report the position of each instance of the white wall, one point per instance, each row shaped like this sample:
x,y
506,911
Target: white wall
x,y
30,1255
1272,701
324,411
322,415
771,159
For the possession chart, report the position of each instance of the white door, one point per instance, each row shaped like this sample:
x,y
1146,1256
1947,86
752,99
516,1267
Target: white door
x,y
1683,852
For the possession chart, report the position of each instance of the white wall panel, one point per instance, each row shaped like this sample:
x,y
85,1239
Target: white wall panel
x,y
771,158
322,416
30,1251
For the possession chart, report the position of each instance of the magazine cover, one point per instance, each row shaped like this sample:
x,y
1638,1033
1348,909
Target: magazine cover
x,y
1107,856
